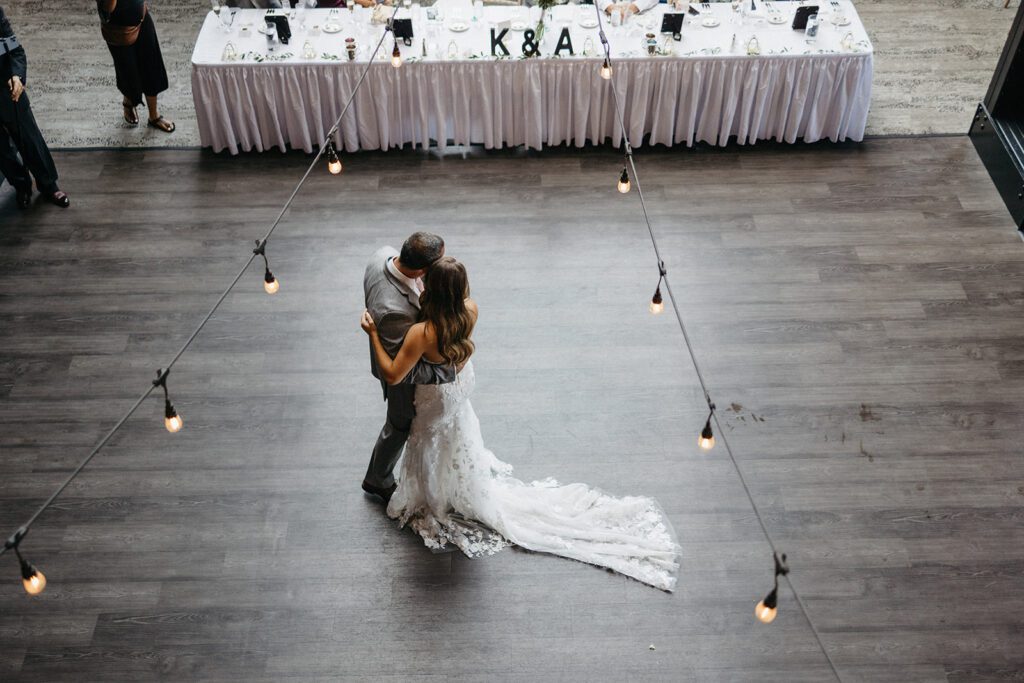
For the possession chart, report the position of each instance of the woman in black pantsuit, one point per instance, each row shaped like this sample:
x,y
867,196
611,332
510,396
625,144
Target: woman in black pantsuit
x,y
131,36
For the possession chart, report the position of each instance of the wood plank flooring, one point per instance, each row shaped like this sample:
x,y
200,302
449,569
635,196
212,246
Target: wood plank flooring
x,y
856,309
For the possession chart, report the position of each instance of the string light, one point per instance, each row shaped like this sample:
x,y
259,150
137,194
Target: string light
x,y
657,305
767,609
172,421
333,162
31,578
270,283
396,56
606,70
624,184
707,437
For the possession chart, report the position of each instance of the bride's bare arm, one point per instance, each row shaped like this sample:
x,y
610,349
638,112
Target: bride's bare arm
x,y
413,347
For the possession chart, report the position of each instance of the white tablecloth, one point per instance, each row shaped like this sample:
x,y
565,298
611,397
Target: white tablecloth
x,y
707,91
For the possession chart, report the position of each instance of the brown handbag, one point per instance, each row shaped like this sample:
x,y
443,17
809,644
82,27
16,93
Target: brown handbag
x,y
122,36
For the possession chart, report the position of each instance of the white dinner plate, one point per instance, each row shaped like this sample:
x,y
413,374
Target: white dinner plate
x,y
776,19
519,26
841,21
332,28
588,21
709,22
458,26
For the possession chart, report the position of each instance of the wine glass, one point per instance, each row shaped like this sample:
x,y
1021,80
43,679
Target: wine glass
x,y
271,36
227,17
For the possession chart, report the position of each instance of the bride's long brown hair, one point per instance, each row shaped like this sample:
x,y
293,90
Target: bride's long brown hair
x,y
443,305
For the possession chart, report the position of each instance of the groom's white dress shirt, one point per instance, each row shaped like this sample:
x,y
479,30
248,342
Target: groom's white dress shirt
x,y
642,5
413,285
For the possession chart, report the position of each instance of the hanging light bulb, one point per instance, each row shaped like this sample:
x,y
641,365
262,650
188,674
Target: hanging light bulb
x,y
33,579
624,183
706,440
396,56
606,70
333,162
172,421
657,306
270,283
767,609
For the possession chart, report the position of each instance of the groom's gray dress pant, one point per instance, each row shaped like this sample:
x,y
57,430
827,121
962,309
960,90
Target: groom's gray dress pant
x,y
393,435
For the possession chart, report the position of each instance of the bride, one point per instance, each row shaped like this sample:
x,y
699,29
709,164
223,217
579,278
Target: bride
x,y
451,489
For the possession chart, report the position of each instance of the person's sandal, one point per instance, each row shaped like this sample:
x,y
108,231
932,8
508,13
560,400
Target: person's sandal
x,y
131,117
160,123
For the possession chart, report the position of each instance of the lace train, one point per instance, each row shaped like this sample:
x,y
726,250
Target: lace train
x,y
451,489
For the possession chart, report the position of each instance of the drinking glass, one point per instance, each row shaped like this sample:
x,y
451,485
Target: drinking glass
x,y
227,17
271,37
811,32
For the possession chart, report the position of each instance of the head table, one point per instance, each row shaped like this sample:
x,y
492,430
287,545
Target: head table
x,y
706,87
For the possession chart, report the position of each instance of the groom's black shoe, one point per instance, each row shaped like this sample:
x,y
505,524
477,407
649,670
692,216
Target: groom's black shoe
x,y
384,494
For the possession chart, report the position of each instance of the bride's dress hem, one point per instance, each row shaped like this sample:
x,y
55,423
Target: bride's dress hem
x,y
452,490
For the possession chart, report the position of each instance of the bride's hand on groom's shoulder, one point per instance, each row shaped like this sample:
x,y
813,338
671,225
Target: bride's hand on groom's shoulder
x,y
366,322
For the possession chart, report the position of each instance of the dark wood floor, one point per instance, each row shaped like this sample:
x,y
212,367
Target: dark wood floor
x,y
857,310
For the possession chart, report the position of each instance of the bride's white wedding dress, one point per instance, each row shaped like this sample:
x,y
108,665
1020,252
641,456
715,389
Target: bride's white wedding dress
x,y
451,489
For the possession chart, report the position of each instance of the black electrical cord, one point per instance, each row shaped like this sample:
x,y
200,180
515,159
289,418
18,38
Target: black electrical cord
x,y
15,539
689,345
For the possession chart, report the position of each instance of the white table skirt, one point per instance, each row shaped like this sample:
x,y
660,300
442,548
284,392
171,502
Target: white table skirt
x,y
535,102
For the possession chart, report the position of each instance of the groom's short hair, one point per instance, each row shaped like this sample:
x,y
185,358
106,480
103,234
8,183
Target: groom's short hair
x,y
421,250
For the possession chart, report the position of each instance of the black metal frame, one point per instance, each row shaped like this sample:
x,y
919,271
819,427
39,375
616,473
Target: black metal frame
x,y
998,127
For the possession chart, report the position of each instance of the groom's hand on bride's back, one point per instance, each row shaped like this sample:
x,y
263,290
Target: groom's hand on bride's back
x,y
366,322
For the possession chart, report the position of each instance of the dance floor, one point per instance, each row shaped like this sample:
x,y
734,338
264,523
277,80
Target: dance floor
x,y
856,310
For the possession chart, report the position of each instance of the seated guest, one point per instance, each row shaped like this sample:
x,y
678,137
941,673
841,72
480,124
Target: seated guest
x,y
18,130
268,4
626,9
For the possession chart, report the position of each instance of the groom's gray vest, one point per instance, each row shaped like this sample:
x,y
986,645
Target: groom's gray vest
x,y
395,308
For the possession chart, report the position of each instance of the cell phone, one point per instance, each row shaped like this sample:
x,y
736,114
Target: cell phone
x,y
800,18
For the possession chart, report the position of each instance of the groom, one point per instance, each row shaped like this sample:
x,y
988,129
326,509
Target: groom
x,y
392,286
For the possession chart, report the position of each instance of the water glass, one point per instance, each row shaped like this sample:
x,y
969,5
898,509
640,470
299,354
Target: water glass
x,y
811,32
224,15
271,37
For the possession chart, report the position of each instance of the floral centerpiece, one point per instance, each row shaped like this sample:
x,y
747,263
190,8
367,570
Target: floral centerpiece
x,y
544,5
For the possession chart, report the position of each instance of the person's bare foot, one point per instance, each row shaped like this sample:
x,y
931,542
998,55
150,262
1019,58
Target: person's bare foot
x,y
131,117
160,123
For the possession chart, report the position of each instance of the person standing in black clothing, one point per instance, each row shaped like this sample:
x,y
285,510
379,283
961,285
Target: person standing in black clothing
x,y
18,130
130,34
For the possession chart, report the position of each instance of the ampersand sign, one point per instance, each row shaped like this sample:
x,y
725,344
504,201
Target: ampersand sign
x,y
530,47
